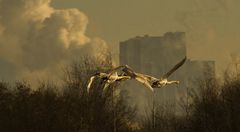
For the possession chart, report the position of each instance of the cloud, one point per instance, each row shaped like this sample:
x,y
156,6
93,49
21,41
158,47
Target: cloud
x,y
36,39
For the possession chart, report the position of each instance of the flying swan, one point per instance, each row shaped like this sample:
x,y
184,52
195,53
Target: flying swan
x,y
108,78
150,81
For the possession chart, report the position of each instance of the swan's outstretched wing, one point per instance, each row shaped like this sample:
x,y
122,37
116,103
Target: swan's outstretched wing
x,y
114,70
142,78
150,78
106,86
174,68
90,83
127,68
128,71
144,81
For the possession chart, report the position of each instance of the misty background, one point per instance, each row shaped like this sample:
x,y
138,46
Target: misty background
x,y
210,25
39,37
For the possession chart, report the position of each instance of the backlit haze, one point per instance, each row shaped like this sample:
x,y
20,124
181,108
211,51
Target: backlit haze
x,y
39,37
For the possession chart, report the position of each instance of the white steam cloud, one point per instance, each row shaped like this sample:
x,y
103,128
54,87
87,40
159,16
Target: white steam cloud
x,y
36,40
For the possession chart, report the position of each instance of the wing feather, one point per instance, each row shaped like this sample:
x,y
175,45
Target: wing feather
x,y
129,71
106,86
144,82
114,70
174,68
148,77
90,83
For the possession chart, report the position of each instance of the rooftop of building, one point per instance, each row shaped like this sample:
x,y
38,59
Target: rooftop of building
x,y
167,35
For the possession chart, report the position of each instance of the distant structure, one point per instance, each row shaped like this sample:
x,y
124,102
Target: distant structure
x,y
155,56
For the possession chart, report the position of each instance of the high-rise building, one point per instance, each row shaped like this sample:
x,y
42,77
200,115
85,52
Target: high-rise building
x,y
155,56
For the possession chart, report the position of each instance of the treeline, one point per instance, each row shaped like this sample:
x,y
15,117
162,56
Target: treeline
x,y
66,108
212,106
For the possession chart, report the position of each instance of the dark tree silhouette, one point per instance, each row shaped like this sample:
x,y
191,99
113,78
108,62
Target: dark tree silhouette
x,y
66,108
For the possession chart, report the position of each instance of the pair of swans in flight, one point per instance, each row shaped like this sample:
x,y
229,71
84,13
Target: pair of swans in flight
x,y
128,73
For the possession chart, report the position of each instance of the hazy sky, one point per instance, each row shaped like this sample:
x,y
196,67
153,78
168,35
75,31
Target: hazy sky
x,y
37,40
212,26
39,36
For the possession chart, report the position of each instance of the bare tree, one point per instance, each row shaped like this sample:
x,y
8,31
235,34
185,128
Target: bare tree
x,y
70,109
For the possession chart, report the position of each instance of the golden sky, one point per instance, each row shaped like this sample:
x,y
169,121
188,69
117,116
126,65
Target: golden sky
x,y
37,36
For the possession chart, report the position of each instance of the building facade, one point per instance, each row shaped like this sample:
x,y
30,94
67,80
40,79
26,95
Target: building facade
x,y
155,56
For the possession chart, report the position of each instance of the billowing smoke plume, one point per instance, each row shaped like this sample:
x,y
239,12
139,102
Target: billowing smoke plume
x,y
36,40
